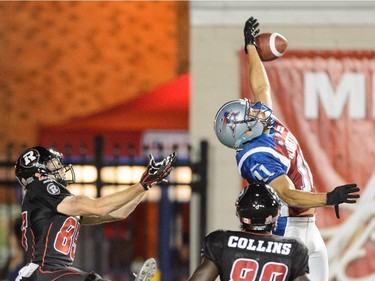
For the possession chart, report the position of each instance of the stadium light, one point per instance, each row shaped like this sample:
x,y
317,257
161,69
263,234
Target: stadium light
x,y
123,176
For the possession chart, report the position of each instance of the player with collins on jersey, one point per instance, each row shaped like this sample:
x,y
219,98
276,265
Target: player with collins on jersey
x,y
266,151
253,253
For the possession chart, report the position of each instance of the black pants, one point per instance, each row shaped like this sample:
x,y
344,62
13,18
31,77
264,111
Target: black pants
x,y
64,274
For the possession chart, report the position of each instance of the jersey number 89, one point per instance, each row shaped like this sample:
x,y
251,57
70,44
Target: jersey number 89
x,y
66,238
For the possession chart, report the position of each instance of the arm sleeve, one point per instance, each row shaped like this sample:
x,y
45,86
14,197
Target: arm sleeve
x,y
265,166
51,194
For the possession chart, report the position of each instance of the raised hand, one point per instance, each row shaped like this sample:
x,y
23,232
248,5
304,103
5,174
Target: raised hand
x,y
157,172
250,31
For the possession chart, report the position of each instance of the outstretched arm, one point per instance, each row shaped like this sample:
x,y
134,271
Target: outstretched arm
x,y
134,198
296,198
119,204
284,187
258,78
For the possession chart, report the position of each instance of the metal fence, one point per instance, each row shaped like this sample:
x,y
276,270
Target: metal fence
x,y
159,227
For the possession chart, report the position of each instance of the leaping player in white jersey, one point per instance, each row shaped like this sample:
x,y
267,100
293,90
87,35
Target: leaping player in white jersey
x,y
266,151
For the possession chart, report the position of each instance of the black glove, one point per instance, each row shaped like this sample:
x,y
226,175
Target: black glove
x,y
156,172
250,31
342,194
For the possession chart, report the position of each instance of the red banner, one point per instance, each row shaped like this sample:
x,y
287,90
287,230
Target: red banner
x,y
327,99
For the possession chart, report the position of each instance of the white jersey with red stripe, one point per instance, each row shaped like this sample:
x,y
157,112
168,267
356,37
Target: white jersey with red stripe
x,y
272,155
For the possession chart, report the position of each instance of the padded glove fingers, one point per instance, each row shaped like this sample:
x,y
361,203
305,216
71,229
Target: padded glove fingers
x,y
343,194
157,172
251,30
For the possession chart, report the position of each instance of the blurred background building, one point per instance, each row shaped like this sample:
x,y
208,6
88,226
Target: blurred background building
x,y
150,75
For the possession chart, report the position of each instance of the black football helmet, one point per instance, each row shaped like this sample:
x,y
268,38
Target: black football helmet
x,y
257,207
45,161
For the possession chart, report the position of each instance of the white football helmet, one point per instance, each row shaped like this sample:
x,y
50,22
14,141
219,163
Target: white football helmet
x,y
239,121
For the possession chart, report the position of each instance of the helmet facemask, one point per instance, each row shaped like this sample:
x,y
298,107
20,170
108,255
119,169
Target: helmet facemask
x,y
258,118
63,174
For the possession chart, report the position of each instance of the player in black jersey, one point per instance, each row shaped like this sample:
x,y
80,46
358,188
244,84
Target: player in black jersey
x,y
52,216
253,253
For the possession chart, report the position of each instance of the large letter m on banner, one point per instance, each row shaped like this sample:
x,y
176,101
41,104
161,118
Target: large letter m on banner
x,y
351,91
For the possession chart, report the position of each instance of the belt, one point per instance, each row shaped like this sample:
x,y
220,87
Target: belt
x,y
308,218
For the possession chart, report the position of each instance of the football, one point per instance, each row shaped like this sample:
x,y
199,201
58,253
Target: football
x,y
271,45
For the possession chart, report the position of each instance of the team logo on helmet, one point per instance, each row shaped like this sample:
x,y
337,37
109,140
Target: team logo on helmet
x,y
246,220
53,189
230,119
30,158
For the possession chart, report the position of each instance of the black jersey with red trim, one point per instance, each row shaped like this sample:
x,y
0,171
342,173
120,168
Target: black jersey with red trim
x,y
240,255
48,237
